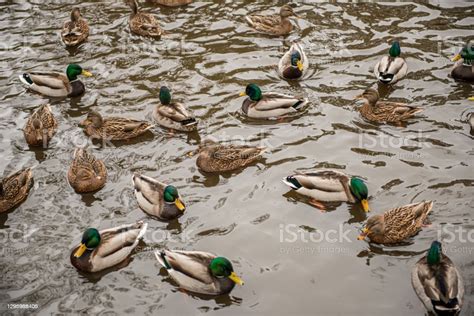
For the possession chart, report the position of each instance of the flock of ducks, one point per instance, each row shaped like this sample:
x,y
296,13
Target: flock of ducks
x,y
436,280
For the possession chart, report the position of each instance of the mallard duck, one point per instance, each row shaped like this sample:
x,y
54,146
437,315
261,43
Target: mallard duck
x,y
294,63
107,248
277,24
14,189
40,127
86,173
269,105
54,84
391,68
329,186
199,272
438,283
143,23
215,157
172,3
397,224
157,199
173,115
463,69
76,30
113,128
384,111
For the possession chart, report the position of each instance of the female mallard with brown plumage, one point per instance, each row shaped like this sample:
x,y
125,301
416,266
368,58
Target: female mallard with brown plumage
x,y
107,248
14,189
398,224
391,68
143,23
329,186
173,115
157,199
215,157
172,3
269,105
113,128
438,283
76,30
199,272
40,127
86,173
277,24
384,111
55,84
463,69
294,63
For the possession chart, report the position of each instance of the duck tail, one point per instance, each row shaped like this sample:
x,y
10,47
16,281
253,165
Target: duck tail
x,y
292,182
25,79
161,257
301,103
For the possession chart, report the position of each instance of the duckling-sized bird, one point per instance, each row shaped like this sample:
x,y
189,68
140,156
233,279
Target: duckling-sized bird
x,y
173,115
199,272
107,248
398,224
269,105
14,189
384,111
438,283
75,31
40,127
86,173
172,3
278,24
55,84
294,63
329,186
157,199
113,128
463,69
391,68
215,157
143,23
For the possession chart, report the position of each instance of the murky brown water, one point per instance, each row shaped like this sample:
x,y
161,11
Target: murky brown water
x,y
208,57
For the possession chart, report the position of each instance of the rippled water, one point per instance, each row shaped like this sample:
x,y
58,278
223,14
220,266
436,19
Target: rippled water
x,y
208,57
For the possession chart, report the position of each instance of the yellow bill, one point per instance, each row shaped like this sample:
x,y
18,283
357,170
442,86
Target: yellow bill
x,y
236,279
86,73
242,94
456,58
471,98
80,251
299,64
180,205
361,237
365,205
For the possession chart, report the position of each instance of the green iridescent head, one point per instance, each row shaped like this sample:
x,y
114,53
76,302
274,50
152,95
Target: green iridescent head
x,y
467,52
395,50
221,267
360,191
434,253
253,92
90,240
165,95
74,70
171,195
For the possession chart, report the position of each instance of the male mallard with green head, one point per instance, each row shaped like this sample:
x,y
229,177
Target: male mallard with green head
x,y
463,69
438,283
14,189
329,186
157,199
269,105
54,84
40,127
173,115
107,248
199,272
391,68
278,24
294,63
76,30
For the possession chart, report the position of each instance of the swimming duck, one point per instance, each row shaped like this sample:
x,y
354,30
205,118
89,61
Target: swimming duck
x,y
172,3
384,111
107,248
396,225
391,68
269,105
54,84
143,23
14,189
463,69
157,199
113,128
40,127
199,272
277,24
294,63
75,31
86,173
215,157
173,115
329,186
438,283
